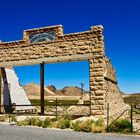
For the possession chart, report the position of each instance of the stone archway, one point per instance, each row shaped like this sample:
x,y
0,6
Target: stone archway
x,y
50,45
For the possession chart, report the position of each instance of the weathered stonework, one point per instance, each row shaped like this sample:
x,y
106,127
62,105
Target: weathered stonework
x,y
112,94
64,45
87,45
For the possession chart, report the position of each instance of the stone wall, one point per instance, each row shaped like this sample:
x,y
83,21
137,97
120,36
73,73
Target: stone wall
x,y
97,89
112,95
65,46
88,45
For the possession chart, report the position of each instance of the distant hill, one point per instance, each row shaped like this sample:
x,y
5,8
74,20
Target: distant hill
x,y
134,94
132,99
70,91
33,89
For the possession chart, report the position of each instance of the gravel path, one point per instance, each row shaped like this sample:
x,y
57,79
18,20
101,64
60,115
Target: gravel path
x,y
8,132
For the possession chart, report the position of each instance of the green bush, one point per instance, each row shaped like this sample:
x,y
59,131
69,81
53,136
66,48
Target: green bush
x,y
97,129
67,116
89,125
60,123
27,121
63,123
136,112
53,124
46,122
82,125
76,125
98,126
122,125
2,119
30,121
86,125
35,122
99,122
13,118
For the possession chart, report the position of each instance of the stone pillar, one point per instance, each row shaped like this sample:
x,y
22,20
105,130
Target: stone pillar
x,y
97,88
97,82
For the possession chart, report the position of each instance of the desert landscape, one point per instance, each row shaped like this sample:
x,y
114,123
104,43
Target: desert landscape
x,y
50,92
71,93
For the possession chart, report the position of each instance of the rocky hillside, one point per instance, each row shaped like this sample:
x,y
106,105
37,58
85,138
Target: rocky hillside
x,y
132,99
34,90
72,91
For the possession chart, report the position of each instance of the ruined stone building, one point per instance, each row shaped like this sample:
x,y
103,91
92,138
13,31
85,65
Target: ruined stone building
x,y
51,45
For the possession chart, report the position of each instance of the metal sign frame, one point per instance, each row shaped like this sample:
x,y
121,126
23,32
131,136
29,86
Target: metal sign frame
x,y
42,37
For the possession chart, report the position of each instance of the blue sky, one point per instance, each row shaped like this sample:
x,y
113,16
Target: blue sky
x,y
121,21
60,75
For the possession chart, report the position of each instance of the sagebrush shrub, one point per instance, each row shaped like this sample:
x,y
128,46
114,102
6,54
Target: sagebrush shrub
x,y
24,122
63,123
13,118
89,125
46,122
82,125
98,126
2,119
122,125
97,129
76,126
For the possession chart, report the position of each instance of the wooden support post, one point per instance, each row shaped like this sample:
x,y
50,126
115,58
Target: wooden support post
x,y
89,87
131,118
107,119
42,87
56,108
0,88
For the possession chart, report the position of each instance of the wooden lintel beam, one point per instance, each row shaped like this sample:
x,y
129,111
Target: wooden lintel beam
x,y
47,60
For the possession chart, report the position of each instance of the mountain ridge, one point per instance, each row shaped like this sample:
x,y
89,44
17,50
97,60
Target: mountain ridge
x,y
34,90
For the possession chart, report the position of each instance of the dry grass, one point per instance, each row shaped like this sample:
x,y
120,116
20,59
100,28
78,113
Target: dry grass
x,y
97,129
2,118
89,126
86,97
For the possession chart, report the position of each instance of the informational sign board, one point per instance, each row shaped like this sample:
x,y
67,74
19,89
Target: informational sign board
x,y
42,37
